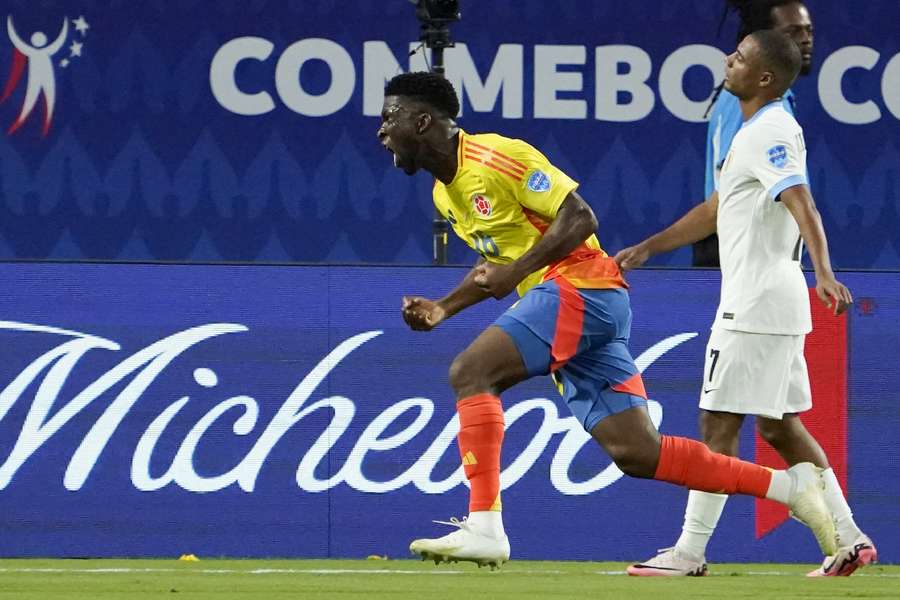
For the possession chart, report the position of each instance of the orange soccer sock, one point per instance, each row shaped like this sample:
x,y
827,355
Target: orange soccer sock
x,y
480,438
691,464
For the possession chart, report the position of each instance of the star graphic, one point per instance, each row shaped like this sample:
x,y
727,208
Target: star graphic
x,y
75,49
64,63
81,26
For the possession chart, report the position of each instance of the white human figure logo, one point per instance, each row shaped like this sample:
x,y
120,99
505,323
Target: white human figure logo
x,y
41,77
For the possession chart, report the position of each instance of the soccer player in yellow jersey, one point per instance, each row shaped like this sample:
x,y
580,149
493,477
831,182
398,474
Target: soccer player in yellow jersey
x,y
536,234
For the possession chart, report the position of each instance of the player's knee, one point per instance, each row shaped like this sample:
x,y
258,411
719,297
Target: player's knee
x,y
722,442
772,432
769,430
457,372
464,373
720,435
632,460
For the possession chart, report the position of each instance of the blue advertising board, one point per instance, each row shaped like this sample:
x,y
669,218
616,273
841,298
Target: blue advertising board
x,y
260,411
245,130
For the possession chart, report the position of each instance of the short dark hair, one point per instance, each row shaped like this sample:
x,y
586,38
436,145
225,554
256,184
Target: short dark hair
x,y
755,15
779,54
429,88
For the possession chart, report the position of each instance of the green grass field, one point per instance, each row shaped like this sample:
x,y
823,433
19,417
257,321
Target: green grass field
x,y
402,579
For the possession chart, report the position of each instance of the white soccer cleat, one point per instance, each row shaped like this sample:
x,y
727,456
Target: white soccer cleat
x,y
807,504
463,544
847,559
670,562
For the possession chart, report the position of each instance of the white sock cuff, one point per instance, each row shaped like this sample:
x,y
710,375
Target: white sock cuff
x,y
831,481
704,508
847,529
834,496
780,487
489,522
700,519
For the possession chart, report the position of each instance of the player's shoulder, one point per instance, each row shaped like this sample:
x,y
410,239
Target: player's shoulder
x,y
775,122
510,147
771,136
780,114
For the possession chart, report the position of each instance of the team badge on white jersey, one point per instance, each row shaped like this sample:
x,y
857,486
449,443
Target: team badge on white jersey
x,y
778,155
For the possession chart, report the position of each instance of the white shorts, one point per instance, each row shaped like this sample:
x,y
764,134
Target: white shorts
x,y
755,374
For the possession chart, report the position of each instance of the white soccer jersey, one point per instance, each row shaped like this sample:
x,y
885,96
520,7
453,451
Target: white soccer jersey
x,y
763,288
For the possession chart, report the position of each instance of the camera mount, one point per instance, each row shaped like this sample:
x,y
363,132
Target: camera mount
x,y
436,17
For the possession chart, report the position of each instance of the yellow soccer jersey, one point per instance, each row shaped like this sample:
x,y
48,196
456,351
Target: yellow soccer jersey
x,y
504,196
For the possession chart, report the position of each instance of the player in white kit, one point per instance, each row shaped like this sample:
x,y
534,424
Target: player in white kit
x,y
763,213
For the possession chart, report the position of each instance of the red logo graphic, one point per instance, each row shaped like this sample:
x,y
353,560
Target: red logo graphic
x,y
826,359
482,205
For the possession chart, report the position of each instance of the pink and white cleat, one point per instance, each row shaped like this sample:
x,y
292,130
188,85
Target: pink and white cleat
x,y
847,559
670,562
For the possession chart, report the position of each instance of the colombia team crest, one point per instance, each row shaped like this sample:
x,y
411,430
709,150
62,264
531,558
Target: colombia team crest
x,y
482,205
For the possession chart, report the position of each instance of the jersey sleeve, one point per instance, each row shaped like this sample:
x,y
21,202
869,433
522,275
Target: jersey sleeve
x,y
780,160
542,187
724,123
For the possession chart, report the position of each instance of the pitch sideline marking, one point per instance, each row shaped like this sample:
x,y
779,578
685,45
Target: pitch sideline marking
x,y
361,571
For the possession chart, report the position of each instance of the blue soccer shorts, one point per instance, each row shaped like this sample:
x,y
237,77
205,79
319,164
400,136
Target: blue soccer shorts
x,y
581,337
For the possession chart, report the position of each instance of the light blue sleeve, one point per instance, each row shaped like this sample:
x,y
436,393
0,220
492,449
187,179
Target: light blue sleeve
x,y
789,101
724,123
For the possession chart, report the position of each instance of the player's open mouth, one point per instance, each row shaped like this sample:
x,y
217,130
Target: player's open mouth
x,y
389,149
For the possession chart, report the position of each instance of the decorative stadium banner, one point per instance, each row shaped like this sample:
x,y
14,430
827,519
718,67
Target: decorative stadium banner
x,y
155,410
245,130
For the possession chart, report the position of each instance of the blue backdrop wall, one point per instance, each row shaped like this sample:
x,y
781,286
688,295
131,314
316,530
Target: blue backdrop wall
x,y
153,410
244,130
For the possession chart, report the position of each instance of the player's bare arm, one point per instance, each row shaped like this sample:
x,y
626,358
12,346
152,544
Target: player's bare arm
x,y
800,203
574,223
697,224
422,314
